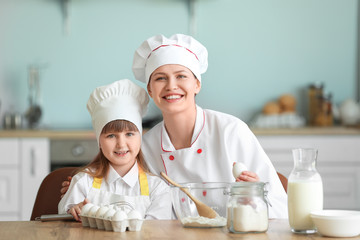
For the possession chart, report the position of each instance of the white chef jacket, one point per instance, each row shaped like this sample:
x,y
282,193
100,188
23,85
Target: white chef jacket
x,y
218,140
159,192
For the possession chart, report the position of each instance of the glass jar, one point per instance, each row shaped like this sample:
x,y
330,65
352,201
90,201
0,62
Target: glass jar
x,y
315,94
247,208
305,191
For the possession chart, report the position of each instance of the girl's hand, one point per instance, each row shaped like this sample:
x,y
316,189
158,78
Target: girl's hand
x,y
247,176
76,210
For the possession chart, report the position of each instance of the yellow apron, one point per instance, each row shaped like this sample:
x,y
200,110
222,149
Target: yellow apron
x,y
127,203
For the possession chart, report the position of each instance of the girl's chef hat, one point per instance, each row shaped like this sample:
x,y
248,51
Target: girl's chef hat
x,y
121,100
178,49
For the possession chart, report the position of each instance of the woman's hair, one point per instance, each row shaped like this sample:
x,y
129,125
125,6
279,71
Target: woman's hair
x,y
99,167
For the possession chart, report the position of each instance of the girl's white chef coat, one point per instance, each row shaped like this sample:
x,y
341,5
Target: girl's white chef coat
x,y
218,140
155,206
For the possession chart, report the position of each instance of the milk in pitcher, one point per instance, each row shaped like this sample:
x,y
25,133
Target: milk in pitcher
x,y
304,197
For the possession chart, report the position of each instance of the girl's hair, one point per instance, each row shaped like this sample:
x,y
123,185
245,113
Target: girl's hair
x,y
99,167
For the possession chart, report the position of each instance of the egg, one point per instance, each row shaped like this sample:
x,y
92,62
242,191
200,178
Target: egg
x,y
85,209
238,168
109,214
91,216
101,212
134,215
107,219
119,216
92,211
84,214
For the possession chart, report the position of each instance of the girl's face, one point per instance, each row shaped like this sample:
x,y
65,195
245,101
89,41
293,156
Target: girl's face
x,y
121,149
173,88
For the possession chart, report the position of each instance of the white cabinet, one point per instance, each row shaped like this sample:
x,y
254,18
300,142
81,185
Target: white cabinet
x,y
24,163
338,163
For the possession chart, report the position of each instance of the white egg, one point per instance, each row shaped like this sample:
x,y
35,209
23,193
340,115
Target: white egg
x,y
134,215
101,212
93,210
119,215
109,214
85,209
238,168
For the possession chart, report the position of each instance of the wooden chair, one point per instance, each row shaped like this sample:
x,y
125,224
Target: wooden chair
x,y
48,196
283,181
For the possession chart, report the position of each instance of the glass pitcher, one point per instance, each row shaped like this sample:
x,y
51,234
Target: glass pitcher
x,y
305,191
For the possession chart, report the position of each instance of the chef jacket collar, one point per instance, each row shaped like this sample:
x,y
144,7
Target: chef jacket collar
x,y
130,178
166,144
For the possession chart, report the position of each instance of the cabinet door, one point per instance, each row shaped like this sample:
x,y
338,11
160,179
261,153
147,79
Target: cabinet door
x,y
35,165
9,179
9,152
9,191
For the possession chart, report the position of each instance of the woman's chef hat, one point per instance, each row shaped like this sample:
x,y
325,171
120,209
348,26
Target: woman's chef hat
x,y
121,100
178,49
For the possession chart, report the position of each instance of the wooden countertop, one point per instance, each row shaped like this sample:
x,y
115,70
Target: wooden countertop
x,y
151,229
89,134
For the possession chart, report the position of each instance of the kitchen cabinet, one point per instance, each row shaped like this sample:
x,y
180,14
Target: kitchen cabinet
x,y
24,163
338,163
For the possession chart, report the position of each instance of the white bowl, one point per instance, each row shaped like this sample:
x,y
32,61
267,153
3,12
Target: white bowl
x,y
337,223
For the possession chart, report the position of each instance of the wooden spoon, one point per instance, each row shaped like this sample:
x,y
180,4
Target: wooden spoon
x,y
203,209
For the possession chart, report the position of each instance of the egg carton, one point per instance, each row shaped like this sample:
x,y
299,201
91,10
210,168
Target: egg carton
x,y
110,219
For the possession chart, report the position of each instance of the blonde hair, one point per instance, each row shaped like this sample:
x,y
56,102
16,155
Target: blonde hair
x,y
99,167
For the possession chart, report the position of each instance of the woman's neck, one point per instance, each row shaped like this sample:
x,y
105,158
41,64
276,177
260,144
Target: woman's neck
x,y
180,127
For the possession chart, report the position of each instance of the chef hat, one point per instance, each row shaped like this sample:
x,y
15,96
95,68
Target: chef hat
x,y
121,100
178,49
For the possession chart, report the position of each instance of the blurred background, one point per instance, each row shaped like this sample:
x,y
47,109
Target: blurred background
x,y
258,50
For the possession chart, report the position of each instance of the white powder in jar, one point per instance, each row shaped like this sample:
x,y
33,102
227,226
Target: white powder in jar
x,y
203,222
247,219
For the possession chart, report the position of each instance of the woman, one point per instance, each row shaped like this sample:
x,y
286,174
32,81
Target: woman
x,y
119,172
192,144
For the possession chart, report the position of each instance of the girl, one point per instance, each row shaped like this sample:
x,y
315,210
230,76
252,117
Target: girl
x,y
191,143
118,173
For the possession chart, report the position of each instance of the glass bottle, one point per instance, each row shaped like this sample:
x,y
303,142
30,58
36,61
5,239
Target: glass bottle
x,y
247,208
305,191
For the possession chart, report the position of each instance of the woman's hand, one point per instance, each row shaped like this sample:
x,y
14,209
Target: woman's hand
x,y
65,186
247,176
76,210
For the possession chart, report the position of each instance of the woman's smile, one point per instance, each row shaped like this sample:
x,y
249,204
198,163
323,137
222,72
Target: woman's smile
x,y
173,97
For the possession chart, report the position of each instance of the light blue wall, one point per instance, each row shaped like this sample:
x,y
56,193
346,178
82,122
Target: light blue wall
x,y
258,50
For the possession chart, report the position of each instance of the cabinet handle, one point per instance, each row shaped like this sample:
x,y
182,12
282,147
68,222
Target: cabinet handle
x,y
32,162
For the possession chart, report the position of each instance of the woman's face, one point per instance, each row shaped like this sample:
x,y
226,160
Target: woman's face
x,y
121,149
173,88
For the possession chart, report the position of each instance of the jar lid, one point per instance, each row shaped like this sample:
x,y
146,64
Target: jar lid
x,y
247,187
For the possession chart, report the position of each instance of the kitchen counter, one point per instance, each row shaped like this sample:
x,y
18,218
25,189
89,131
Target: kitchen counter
x,y
151,229
89,134
51,134
323,131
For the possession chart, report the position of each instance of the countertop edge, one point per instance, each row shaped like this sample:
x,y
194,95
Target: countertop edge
x,y
89,134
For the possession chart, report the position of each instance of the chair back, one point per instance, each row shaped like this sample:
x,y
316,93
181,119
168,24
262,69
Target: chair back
x,y
283,180
48,196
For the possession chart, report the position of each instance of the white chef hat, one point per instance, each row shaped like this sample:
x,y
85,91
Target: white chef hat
x,y
178,49
121,100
